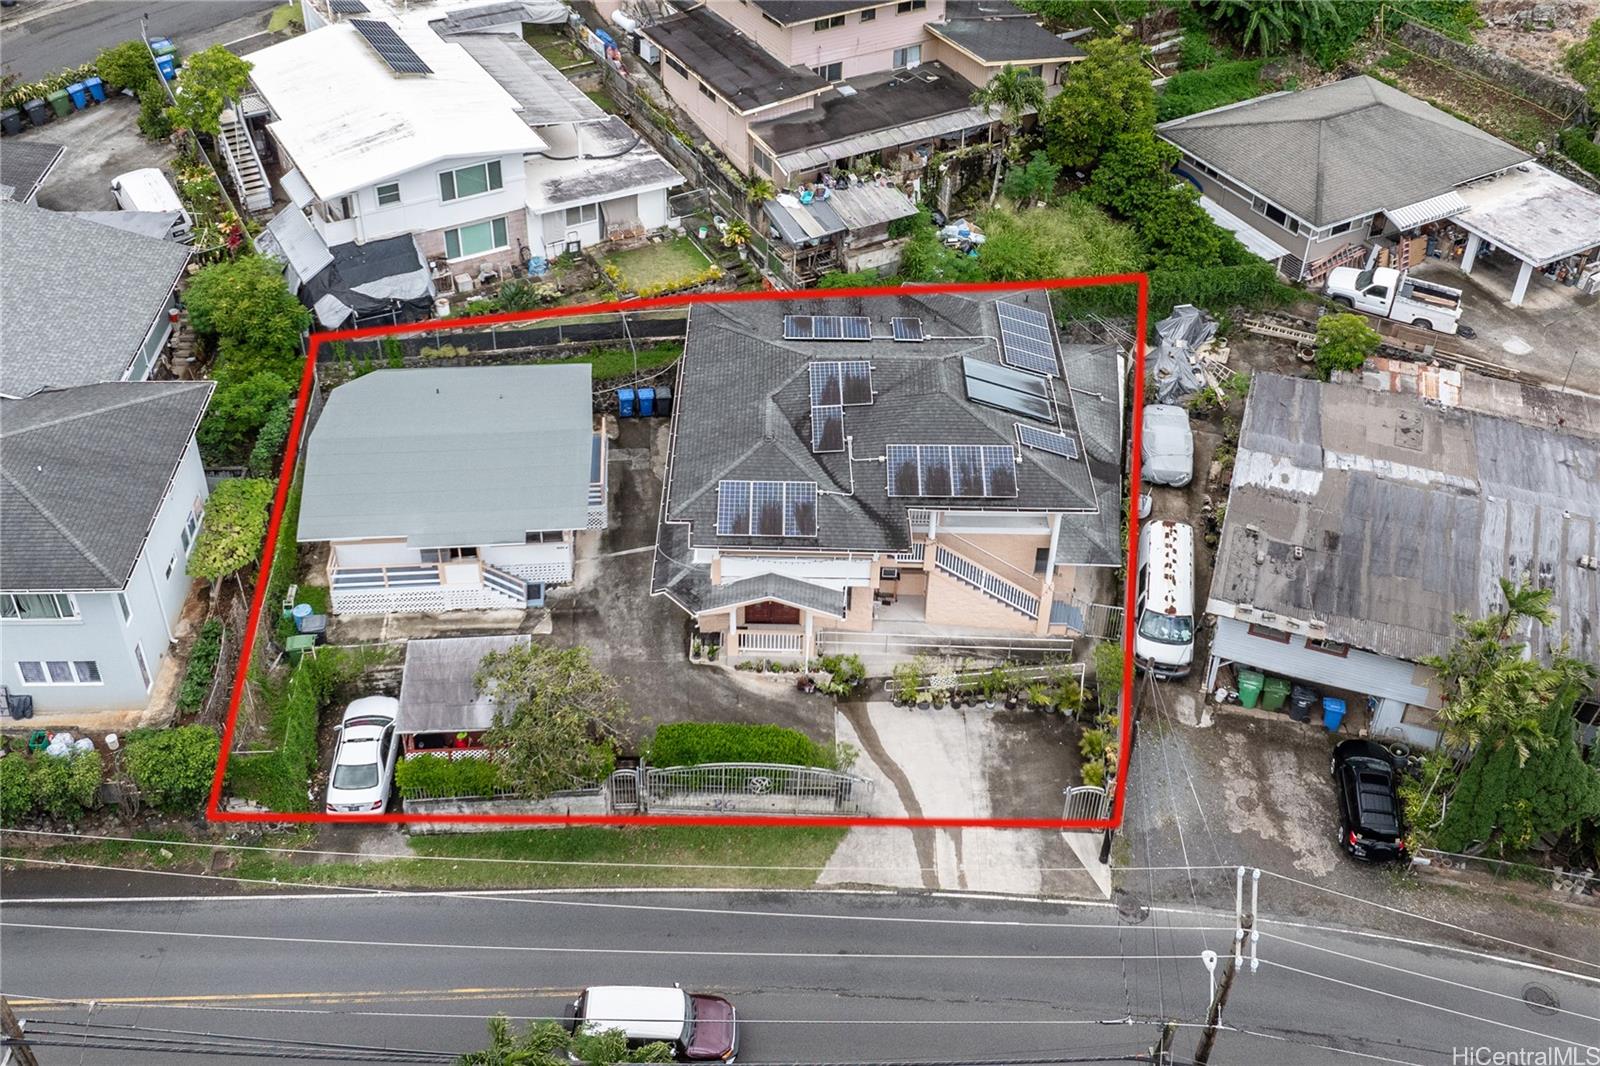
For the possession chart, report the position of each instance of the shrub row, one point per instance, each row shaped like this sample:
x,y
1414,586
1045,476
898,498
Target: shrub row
x,y
202,668
692,743
1252,284
439,775
1581,150
171,768
60,787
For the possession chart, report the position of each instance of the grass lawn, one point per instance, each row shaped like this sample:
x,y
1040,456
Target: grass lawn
x,y
657,854
658,264
284,17
603,100
616,362
554,45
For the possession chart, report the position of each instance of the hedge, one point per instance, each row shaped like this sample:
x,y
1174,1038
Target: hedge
x,y
692,743
439,775
1253,284
1581,150
202,668
173,768
286,553
58,786
16,788
270,439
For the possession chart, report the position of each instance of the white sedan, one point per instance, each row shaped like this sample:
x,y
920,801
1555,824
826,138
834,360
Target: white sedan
x,y
363,763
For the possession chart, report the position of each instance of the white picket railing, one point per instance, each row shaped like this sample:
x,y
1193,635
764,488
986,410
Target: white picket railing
x,y
990,584
769,642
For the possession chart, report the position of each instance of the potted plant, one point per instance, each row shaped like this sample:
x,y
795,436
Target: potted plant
x,y
711,652
737,235
1038,694
941,699
992,685
806,683
924,699
906,682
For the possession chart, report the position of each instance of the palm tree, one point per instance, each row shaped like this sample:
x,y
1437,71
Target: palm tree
x,y
1014,92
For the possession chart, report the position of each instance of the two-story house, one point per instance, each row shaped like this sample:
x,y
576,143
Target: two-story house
x,y
467,142
787,89
453,488
934,463
54,333
101,497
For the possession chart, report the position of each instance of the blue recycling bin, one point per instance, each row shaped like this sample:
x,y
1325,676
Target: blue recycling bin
x,y
167,67
97,89
625,403
79,94
1332,713
647,402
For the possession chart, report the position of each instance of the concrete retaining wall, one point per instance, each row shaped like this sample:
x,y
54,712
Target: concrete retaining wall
x,y
1557,96
585,804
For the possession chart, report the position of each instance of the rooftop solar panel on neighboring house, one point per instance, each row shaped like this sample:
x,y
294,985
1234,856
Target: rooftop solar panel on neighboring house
x,y
347,7
733,509
390,48
797,327
767,509
1064,444
907,329
902,462
827,428
1008,390
825,384
955,470
827,328
800,509
1026,340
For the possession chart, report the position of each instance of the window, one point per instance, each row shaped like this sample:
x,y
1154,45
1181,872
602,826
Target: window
x,y
32,672
88,671
479,238
827,24
910,5
869,14
196,513
1041,560
1342,227
1037,70
144,669
705,91
1328,647
469,181
183,535
38,607
677,68
389,194
546,536
59,672
339,208
577,216
127,612
905,57
1269,634
446,555
830,71
172,562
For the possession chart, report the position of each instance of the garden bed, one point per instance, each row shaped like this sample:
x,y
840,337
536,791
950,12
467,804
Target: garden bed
x,y
666,266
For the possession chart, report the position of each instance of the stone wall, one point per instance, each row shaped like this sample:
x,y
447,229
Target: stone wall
x,y
585,803
1556,96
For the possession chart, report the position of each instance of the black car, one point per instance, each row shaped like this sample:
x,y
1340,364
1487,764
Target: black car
x,y
1371,827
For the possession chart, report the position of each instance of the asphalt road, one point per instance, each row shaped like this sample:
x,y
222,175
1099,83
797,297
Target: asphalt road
x,y
41,38
816,977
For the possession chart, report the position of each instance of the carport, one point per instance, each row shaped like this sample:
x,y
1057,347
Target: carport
x,y
1545,221
441,710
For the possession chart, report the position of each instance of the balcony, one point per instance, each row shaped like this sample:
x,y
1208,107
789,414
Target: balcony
x,y
422,588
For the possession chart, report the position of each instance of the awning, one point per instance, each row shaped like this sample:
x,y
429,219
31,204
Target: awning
x,y
291,239
1254,240
1424,211
1355,670
299,191
927,129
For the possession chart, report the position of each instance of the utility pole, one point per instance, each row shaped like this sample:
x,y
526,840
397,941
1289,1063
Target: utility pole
x,y
1244,925
1161,1050
14,1037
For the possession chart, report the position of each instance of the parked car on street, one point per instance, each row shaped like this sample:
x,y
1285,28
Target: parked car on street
x,y
1163,637
1390,293
1167,454
364,760
1370,824
697,1026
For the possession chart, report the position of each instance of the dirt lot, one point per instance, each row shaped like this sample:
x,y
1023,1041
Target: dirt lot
x,y
1540,50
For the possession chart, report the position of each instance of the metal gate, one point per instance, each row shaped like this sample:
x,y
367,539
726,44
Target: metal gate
x,y
622,792
1087,803
751,788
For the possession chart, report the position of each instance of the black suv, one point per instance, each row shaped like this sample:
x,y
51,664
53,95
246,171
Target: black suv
x,y
1370,823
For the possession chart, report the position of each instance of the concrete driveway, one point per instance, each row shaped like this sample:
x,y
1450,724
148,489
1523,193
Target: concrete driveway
x,y
100,143
643,640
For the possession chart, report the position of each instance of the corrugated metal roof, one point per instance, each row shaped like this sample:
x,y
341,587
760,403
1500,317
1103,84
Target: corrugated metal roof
x,y
888,137
438,693
1430,210
290,237
1356,670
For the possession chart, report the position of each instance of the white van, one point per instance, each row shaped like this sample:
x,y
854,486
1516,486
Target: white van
x,y
1163,639
698,1027
149,190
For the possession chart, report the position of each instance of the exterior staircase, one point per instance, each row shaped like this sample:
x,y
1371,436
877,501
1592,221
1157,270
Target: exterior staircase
x,y
985,581
244,164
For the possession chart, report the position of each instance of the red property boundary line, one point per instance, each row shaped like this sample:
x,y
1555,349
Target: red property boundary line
x,y
214,811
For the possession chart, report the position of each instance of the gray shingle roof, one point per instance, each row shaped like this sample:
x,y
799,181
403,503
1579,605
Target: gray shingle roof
x,y
451,456
23,167
743,411
790,12
79,298
1343,150
729,62
1009,39
1405,513
438,691
83,472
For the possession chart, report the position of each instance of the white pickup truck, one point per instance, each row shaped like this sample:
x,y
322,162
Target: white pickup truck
x,y
1392,294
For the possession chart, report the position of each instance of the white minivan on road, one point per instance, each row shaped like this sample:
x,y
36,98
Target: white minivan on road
x,y
1163,637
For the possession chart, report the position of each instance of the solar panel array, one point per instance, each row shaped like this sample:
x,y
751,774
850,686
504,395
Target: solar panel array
x,y
827,428
766,509
390,48
907,329
1026,340
1063,444
1010,390
827,328
835,386
347,7
958,470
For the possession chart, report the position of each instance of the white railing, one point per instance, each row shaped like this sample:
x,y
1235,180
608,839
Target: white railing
x,y
918,552
769,642
990,584
508,586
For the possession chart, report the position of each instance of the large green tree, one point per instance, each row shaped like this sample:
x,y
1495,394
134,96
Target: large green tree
x,y
1134,179
209,79
235,525
557,718
236,412
246,308
1013,93
1107,93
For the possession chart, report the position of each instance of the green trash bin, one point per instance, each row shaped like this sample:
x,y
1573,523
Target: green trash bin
x,y
1250,686
1275,694
60,103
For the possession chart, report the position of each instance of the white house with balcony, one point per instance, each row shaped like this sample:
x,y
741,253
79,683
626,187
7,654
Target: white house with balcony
x,y
460,488
467,141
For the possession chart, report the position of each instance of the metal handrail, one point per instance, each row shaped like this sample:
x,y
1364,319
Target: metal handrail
x,y
985,581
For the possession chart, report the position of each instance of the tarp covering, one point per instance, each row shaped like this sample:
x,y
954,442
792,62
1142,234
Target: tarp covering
x,y
367,279
1179,334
